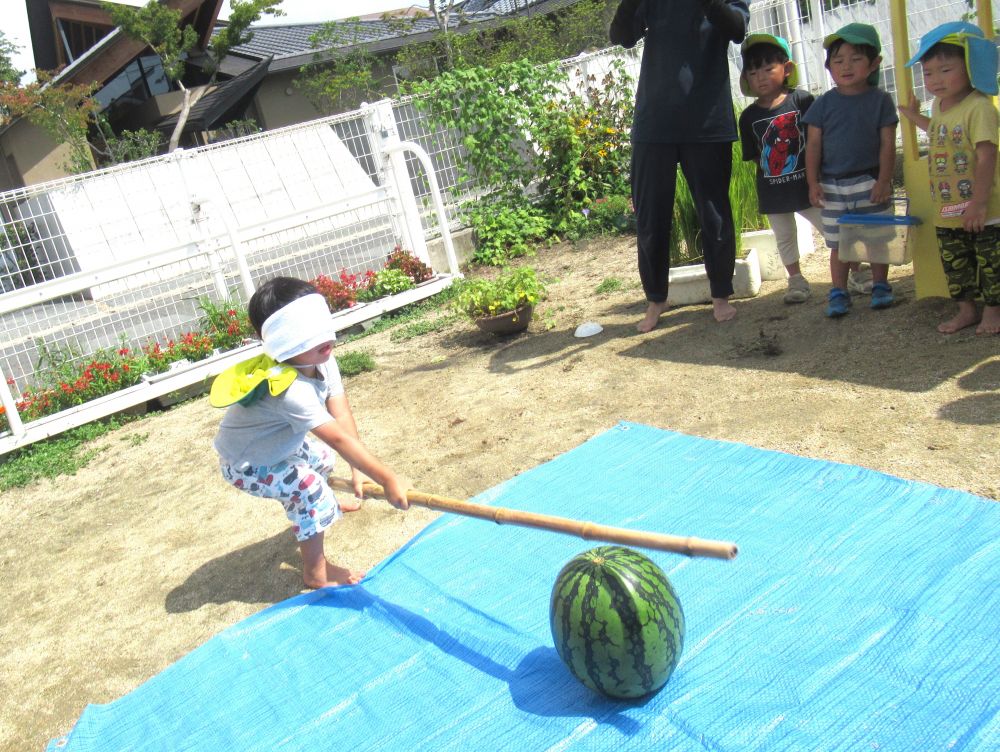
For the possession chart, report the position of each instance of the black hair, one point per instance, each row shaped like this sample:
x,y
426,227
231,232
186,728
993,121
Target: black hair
x,y
762,54
869,51
945,50
274,295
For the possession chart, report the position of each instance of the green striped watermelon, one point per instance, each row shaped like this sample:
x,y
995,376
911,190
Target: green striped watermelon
x,y
616,622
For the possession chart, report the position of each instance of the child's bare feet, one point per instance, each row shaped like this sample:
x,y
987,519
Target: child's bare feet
x,y
352,504
652,317
966,316
342,575
991,321
334,576
722,309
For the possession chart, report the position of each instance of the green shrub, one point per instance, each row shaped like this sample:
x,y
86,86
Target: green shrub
x,y
386,282
611,215
512,289
505,231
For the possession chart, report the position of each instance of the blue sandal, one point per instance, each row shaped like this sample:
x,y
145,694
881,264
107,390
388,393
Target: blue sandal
x,y
838,302
882,296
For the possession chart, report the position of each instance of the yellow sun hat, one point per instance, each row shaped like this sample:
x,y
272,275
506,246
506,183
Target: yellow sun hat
x,y
245,382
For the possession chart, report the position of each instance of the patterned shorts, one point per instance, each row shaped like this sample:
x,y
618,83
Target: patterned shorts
x,y
299,483
847,196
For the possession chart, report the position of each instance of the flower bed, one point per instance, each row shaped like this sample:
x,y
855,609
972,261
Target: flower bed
x,y
66,380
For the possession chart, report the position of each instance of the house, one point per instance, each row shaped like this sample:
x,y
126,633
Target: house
x,y
280,102
255,81
77,38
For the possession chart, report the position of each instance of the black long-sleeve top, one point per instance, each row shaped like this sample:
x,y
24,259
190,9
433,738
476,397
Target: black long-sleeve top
x,y
684,94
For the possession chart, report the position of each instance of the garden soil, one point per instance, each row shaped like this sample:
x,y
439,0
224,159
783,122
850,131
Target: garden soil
x,y
113,574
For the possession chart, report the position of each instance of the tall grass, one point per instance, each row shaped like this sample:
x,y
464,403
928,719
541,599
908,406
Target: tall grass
x,y
685,239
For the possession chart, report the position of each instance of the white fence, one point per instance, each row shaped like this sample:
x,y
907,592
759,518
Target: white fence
x,y
122,256
298,213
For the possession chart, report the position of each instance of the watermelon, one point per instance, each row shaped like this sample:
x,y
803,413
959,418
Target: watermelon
x,y
616,622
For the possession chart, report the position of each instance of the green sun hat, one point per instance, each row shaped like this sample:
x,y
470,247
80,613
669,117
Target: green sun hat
x,y
754,39
857,33
980,52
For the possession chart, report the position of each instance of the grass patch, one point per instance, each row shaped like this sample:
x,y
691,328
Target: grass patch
x,y
609,285
422,326
355,362
407,314
61,455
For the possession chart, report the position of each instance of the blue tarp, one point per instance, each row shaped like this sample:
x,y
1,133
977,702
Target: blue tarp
x,y
862,613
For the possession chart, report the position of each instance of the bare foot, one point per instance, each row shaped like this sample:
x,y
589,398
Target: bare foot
x,y
652,317
352,504
334,576
722,309
991,321
342,575
966,316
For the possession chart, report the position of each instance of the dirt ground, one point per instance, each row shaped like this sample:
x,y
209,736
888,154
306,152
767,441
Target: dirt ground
x,y
112,575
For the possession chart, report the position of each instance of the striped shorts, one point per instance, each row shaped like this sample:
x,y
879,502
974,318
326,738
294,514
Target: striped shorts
x,y
850,195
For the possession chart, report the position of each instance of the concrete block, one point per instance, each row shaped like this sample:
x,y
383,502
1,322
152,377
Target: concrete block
x,y
771,267
689,284
464,244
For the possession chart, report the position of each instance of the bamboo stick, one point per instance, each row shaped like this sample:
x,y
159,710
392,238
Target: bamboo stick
x,y
689,546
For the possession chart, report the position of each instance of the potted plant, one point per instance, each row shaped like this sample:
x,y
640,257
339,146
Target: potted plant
x,y
503,305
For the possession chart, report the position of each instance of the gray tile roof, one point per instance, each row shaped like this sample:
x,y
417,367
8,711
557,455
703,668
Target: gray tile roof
x,y
207,111
296,39
291,44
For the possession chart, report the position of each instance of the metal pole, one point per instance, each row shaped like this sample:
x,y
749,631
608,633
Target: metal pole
x,y
10,407
442,216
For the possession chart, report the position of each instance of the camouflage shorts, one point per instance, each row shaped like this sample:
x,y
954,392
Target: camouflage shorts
x,y
971,261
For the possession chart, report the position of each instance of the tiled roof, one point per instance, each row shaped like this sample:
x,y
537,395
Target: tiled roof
x,y
207,112
296,39
498,7
291,44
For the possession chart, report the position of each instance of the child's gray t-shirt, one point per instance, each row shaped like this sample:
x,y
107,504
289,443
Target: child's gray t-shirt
x,y
851,127
273,428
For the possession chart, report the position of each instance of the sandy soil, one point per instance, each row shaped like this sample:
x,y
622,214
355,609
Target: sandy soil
x,y
112,575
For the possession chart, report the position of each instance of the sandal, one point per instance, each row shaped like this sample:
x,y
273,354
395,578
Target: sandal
x,y
882,296
838,302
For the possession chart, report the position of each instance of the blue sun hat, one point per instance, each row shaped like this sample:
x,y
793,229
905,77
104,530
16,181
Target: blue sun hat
x,y
980,52
781,43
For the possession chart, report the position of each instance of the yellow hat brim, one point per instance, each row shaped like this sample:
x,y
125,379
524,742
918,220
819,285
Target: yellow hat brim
x,y
238,382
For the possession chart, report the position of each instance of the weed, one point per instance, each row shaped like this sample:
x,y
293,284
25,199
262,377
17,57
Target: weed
x,y
421,327
609,285
355,362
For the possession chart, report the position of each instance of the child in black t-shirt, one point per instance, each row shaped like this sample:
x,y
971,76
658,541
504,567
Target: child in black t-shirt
x,y
773,136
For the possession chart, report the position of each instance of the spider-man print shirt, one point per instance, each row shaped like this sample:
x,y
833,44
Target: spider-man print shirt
x,y
776,141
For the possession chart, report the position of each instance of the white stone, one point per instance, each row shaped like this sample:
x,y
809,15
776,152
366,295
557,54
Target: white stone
x,y
689,284
771,267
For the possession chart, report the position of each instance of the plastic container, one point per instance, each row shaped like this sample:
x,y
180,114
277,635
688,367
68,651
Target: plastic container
x,y
877,238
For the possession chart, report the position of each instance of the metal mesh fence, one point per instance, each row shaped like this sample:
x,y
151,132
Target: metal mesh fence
x,y
454,175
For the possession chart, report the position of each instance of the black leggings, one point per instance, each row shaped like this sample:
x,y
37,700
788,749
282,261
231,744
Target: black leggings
x,y
707,167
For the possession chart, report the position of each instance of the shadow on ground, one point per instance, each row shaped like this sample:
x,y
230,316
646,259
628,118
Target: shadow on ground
x,y
264,572
866,347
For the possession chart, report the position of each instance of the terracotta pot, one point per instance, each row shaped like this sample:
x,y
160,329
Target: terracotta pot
x,y
510,322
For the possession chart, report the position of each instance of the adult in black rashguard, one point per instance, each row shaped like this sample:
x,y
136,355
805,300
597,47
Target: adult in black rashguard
x,y
683,116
